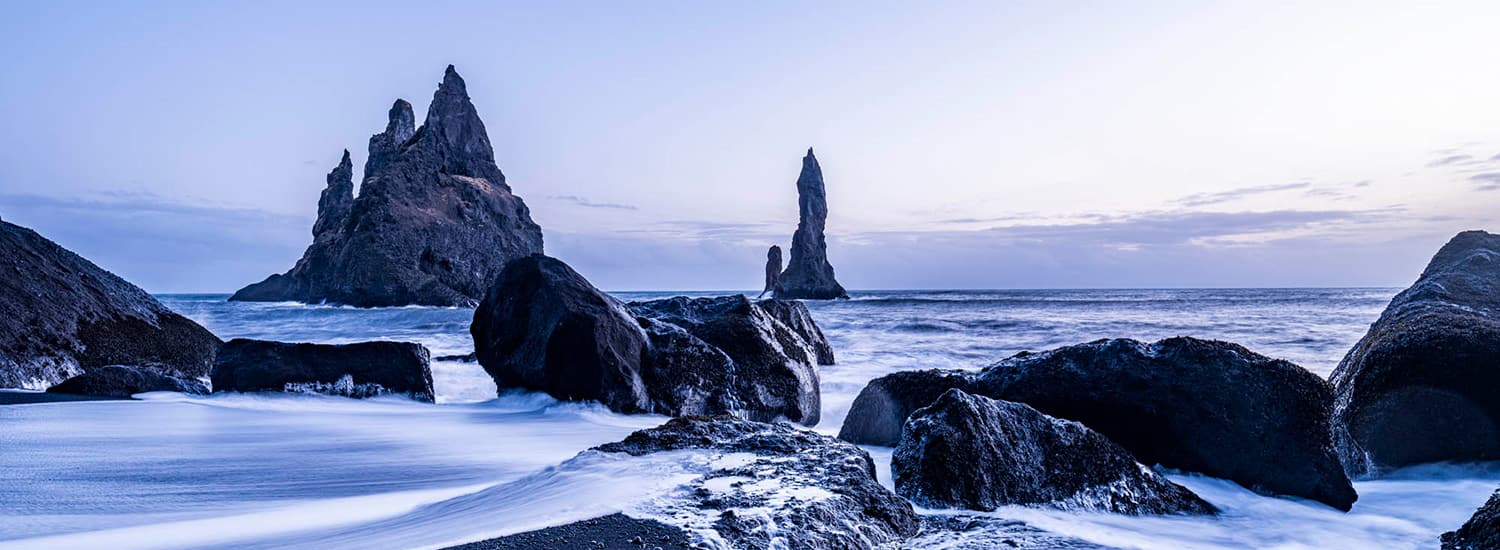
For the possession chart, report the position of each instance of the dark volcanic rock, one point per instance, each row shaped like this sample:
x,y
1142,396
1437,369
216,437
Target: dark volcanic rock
x,y
434,222
365,369
125,381
808,274
1421,386
1205,406
611,532
795,316
965,451
880,410
772,372
773,271
807,491
544,327
963,532
61,315
1481,532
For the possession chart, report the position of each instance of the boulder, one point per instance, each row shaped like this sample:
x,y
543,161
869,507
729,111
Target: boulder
x,y
544,327
1204,406
808,274
795,316
772,371
966,451
125,381
433,224
1481,532
880,410
360,370
611,532
775,486
1420,386
61,315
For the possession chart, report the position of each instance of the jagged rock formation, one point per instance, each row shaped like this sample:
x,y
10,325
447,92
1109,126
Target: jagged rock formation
x,y
773,272
1199,405
125,381
808,274
61,315
544,327
965,451
433,224
784,487
359,370
1481,532
1421,386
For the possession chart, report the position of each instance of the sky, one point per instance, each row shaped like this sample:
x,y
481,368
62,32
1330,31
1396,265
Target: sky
x,y
1067,144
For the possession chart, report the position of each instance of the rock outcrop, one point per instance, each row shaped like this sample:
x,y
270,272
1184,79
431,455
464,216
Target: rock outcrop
x,y
966,451
433,224
1204,406
776,486
61,315
544,327
773,272
360,370
1481,532
879,412
125,381
1420,386
808,274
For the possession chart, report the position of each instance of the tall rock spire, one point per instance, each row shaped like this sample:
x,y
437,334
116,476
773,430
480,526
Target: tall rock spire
x,y
336,201
399,127
808,274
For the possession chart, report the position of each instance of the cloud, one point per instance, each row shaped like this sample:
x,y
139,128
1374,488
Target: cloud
x,y
580,201
1452,160
1205,199
1488,181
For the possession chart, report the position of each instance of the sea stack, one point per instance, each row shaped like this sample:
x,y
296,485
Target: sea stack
x,y
773,271
433,224
808,274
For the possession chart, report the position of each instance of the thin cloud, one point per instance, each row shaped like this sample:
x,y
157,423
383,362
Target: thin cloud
x,y
1205,199
1488,181
586,203
1452,160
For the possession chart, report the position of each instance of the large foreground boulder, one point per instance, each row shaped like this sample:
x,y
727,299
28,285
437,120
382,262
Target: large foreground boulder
x,y
879,412
125,381
360,370
544,327
61,315
1204,406
776,486
433,224
966,451
1421,386
1481,532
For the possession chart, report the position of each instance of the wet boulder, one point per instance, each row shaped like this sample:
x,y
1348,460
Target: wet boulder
x,y
774,486
795,316
880,410
966,451
1199,405
125,381
61,316
360,370
1420,386
1481,532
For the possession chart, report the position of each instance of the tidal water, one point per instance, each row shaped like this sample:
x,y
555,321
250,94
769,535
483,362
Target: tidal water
x,y
301,471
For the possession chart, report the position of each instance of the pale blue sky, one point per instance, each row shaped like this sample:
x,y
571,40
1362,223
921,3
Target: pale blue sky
x,y
966,144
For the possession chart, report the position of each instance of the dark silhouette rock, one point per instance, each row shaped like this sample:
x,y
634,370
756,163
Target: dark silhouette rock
x,y
772,372
686,376
61,315
360,370
1198,405
1481,532
808,274
825,496
433,224
125,381
773,272
880,410
544,327
965,451
1420,386
611,532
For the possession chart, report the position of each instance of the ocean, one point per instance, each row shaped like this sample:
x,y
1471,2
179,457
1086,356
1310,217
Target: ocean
x,y
304,471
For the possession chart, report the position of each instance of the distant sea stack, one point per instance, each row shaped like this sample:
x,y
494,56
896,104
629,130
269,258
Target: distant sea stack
x,y
433,224
808,274
61,315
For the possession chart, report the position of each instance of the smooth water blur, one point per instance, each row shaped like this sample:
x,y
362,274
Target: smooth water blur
x,y
297,471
